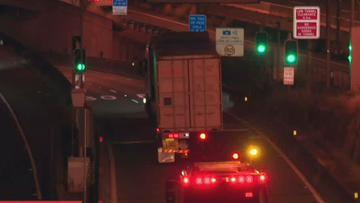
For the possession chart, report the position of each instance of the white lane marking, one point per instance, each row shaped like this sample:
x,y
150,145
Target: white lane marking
x,y
90,98
108,97
134,101
134,142
140,95
113,91
113,179
291,164
32,161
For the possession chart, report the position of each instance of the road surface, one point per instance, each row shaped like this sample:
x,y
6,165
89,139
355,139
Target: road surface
x,y
17,179
26,147
139,178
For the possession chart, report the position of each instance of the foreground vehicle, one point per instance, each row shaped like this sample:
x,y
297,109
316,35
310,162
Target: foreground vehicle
x,y
220,172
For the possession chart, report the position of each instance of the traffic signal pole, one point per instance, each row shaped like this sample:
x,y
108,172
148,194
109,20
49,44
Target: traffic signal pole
x,y
328,36
81,78
278,68
289,86
81,36
309,52
350,43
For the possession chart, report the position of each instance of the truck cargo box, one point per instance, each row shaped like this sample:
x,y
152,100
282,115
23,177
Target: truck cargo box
x,y
187,75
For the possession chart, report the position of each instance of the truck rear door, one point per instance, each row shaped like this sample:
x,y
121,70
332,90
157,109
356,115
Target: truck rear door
x,y
189,94
173,94
205,94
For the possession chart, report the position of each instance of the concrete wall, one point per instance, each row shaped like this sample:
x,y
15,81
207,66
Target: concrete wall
x,y
52,30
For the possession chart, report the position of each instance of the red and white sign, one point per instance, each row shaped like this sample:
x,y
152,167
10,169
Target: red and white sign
x,y
306,22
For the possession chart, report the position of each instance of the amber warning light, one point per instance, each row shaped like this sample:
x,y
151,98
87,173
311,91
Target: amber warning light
x,y
203,136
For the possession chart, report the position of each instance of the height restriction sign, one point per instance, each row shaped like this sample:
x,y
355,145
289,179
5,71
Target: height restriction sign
x,y
306,22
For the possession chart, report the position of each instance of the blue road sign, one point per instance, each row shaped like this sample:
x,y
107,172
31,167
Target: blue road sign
x,y
120,7
226,32
197,23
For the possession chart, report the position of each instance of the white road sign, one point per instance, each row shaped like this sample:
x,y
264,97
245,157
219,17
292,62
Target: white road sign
x,y
230,41
120,7
306,22
289,73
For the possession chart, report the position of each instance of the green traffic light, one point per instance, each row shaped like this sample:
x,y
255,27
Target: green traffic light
x,y
291,58
80,67
261,48
350,47
350,58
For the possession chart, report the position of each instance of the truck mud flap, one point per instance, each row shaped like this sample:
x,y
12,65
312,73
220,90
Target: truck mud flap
x,y
164,157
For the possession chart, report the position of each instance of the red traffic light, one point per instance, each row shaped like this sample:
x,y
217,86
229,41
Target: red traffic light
x,y
235,156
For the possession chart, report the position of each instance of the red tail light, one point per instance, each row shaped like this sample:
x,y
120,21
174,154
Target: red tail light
x,y
249,179
101,139
157,129
203,136
199,181
176,135
207,180
241,179
248,194
186,180
233,179
171,135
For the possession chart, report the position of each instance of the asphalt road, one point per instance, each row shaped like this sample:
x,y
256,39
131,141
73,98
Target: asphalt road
x,y
17,178
34,103
139,178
